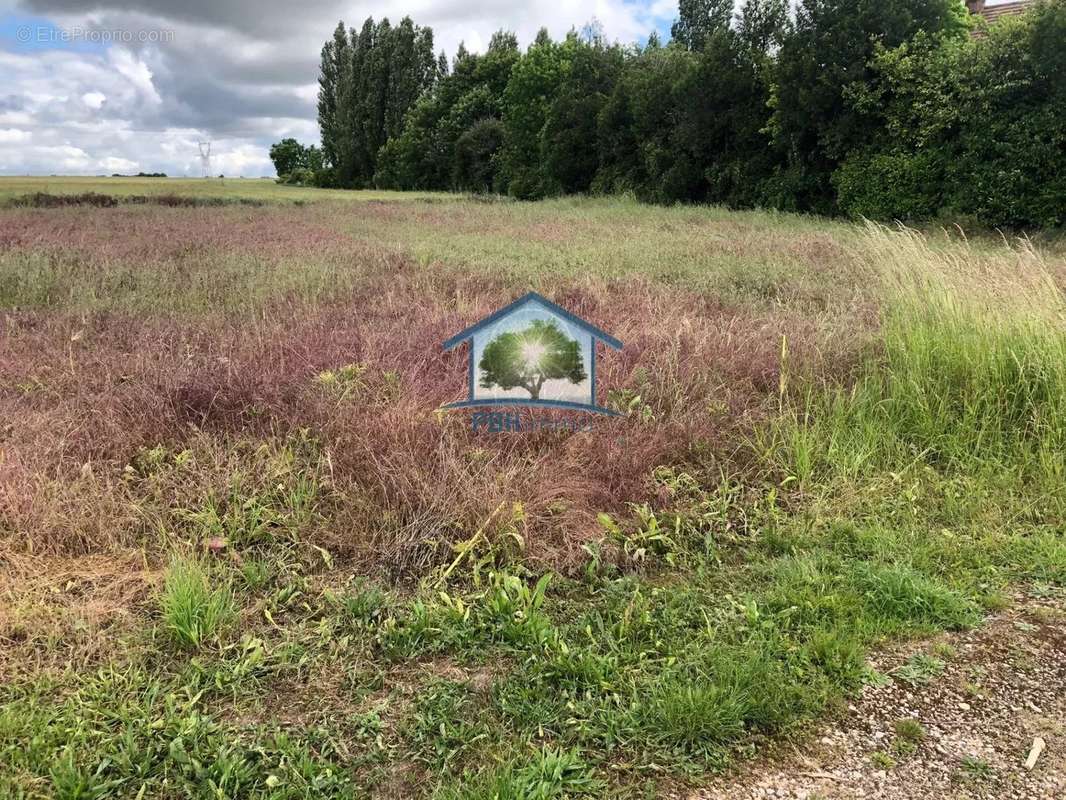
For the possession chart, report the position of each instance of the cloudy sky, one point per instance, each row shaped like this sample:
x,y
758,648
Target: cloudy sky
x,y
123,86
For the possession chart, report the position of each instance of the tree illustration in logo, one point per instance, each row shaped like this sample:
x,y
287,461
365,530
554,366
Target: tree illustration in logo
x,y
531,357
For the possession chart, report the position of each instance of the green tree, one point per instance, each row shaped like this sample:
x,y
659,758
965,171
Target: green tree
x,y
412,70
825,55
334,71
638,126
691,124
721,123
531,90
288,155
698,19
528,359
616,139
762,24
568,138
296,164
425,155
367,97
475,155
971,128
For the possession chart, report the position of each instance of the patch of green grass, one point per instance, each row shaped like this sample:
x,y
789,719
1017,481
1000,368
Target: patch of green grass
x,y
882,760
547,775
899,592
266,505
126,732
974,769
674,674
193,610
224,283
751,258
255,573
507,612
693,717
909,734
362,606
443,725
970,375
919,668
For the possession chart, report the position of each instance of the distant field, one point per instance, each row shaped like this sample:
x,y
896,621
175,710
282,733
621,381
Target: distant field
x,y
243,552
252,188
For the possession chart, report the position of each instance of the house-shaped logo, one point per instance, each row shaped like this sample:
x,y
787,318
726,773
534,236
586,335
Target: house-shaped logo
x,y
533,353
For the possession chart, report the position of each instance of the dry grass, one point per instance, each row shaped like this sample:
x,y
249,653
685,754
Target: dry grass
x,y
205,329
199,333
59,612
85,407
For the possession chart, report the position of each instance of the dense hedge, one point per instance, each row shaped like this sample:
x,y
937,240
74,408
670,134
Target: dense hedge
x,y
972,128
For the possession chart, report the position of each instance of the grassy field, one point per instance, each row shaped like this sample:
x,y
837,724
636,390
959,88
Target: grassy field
x,y
244,554
257,189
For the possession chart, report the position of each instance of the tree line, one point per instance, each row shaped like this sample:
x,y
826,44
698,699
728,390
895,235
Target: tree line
x,y
887,109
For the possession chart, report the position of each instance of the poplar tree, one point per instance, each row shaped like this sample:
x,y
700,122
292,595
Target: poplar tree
x,y
369,81
698,19
336,57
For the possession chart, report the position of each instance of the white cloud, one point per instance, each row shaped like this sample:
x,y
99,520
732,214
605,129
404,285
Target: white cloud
x,y
94,100
118,164
135,71
13,136
474,43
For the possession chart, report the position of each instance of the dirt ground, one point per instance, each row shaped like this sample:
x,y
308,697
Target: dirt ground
x,y
1003,685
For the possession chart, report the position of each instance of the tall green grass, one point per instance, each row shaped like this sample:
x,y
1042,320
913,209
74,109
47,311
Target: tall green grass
x,y
970,374
193,610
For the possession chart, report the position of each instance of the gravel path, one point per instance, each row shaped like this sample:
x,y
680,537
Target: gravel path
x,y
980,699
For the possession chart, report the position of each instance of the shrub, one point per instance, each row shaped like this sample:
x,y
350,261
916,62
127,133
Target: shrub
x,y
886,186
